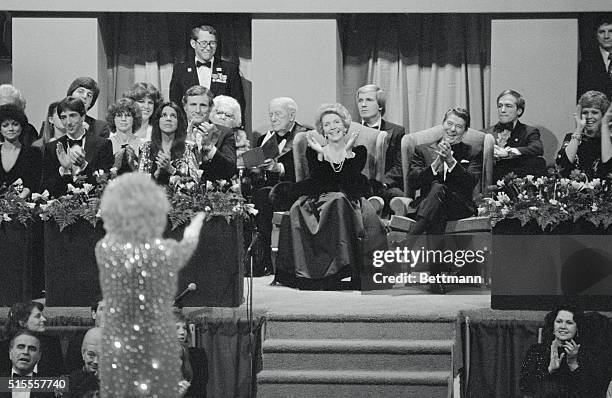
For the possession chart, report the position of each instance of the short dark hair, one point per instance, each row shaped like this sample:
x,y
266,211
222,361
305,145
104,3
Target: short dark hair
x,y
603,19
459,112
20,312
549,321
124,105
72,104
198,90
89,84
14,112
207,28
520,100
25,332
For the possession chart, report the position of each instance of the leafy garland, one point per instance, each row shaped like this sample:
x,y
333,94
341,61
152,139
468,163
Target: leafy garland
x,y
82,201
550,200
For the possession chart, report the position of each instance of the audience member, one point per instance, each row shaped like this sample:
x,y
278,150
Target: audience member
x,y
277,174
148,98
216,143
562,363
219,76
52,127
86,89
446,175
86,379
11,95
167,153
29,315
595,67
371,102
588,149
17,160
186,369
74,357
124,118
226,112
79,153
334,229
25,351
518,148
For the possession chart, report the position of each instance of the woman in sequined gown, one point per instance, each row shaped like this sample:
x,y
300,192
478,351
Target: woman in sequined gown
x,y
138,273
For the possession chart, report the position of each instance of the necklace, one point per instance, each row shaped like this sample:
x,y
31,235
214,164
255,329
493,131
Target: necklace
x,y
338,168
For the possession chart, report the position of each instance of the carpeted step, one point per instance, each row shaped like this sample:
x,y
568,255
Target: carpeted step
x,y
425,355
351,383
359,329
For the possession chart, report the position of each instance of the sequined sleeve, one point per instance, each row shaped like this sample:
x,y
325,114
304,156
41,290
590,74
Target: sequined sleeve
x,y
534,370
183,250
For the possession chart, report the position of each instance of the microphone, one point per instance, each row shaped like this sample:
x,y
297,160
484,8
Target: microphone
x,y
191,287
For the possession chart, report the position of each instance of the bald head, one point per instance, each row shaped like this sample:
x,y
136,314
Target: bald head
x,y
91,349
282,112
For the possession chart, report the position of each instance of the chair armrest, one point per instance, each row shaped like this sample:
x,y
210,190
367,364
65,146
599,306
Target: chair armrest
x,y
401,205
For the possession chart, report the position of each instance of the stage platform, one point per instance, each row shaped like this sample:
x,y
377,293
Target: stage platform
x,y
398,342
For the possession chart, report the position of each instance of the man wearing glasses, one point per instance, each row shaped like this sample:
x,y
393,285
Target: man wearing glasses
x,y
220,77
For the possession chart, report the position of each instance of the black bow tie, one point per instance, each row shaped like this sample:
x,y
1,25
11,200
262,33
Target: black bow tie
x,y
206,64
72,142
506,126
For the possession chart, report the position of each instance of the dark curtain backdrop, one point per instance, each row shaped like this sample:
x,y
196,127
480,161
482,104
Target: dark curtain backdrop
x,y
426,63
145,46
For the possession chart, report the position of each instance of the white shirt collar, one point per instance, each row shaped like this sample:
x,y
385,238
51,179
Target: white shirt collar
x,y
375,125
15,371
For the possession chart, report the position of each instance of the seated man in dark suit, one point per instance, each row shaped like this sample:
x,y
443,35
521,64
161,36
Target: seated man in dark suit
x,y
446,175
86,89
24,353
595,67
518,147
85,379
79,153
371,102
216,143
74,357
220,77
274,174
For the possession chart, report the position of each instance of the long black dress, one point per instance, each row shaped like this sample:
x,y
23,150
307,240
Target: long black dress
x,y
28,167
587,161
333,228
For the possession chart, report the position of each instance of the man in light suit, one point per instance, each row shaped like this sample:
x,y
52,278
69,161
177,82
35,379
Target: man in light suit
x,y
518,147
216,144
79,153
371,102
206,70
595,67
446,175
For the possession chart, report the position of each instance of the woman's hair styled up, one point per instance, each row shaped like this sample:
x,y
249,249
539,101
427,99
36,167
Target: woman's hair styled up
x,y
337,109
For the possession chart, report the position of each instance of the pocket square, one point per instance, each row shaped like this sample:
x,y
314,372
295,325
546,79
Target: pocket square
x,y
464,161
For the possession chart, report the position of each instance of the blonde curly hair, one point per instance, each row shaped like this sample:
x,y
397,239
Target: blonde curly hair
x,y
134,208
337,109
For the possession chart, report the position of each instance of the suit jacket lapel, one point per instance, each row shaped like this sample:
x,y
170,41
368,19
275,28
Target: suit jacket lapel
x,y
90,147
192,74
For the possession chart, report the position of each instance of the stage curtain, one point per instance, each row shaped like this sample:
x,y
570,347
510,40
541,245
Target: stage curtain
x,y
427,63
234,355
498,348
145,46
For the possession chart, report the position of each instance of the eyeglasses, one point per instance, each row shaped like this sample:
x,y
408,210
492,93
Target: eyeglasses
x,y
122,115
204,43
224,114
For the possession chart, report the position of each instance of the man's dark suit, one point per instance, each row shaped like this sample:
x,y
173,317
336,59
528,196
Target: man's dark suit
x,y
97,126
82,382
527,140
222,166
393,159
283,199
442,199
592,74
98,153
225,80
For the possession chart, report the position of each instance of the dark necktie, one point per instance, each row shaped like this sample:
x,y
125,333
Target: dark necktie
x,y
72,142
610,65
505,126
206,64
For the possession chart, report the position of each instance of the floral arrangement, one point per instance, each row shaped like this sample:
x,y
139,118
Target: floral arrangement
x,y
13,205
82,201
550,200
221,198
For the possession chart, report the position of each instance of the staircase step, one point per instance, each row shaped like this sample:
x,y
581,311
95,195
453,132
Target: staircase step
x,y
428,355
350,391
354,377
359,329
